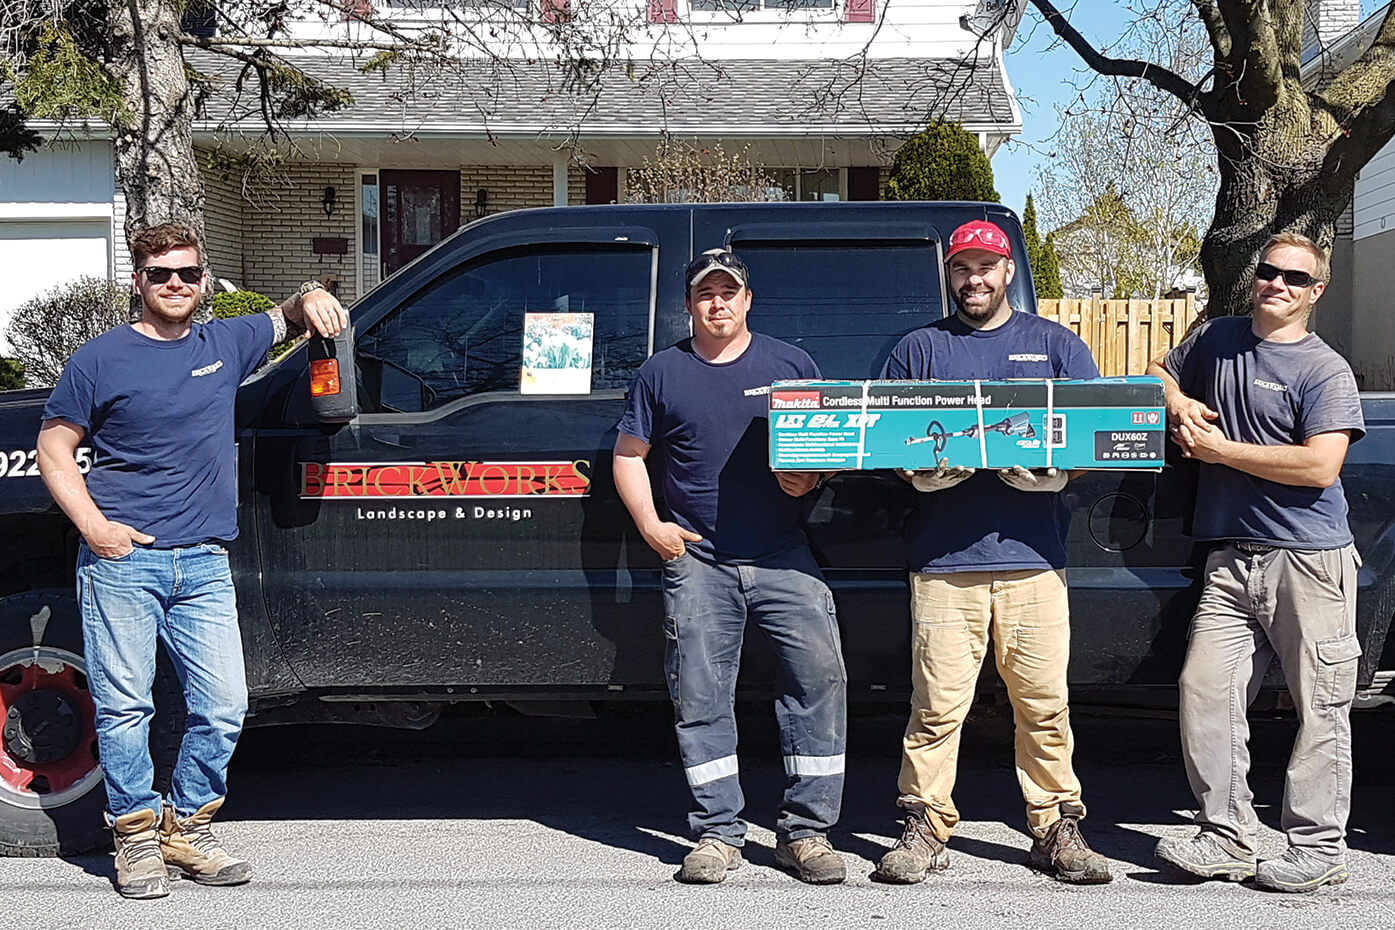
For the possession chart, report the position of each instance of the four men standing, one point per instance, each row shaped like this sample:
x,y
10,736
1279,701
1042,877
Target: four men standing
x,y
1263,403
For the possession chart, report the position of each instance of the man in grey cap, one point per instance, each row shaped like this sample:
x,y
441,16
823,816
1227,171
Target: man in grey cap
x,y
732,549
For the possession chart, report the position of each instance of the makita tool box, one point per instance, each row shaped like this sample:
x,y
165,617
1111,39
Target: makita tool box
x,y
1036,423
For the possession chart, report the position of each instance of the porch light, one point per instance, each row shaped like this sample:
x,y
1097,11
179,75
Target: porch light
x,y
328,201
481,203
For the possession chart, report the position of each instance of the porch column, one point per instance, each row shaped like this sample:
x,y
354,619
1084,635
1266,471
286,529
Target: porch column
x,y
559,180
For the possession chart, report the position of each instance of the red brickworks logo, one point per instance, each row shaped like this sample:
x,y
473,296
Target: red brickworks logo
x,y
445,479
795,400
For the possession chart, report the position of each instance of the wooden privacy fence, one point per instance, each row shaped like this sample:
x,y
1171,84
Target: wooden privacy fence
x,y
1124,335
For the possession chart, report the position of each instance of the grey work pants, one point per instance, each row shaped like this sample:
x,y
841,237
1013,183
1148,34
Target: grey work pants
x,y
1300,605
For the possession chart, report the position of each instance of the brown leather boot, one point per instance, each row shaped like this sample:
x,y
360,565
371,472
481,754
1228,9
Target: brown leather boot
x,y
140,871
1064,853
190,846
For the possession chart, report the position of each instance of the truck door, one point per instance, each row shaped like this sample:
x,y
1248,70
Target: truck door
x,y
465,531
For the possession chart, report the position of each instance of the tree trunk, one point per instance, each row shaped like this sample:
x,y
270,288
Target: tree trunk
x,y
1283,179
155,162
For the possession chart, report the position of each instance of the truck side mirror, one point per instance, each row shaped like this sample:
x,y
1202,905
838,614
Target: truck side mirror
x,y
333,383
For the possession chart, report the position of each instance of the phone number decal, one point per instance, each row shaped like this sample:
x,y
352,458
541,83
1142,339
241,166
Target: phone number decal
x,y
20,463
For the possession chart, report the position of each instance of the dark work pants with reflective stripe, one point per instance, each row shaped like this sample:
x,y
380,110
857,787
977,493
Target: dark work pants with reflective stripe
x,y
706,607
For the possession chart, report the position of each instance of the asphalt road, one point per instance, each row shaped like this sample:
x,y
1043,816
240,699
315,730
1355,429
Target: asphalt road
x,y
497,820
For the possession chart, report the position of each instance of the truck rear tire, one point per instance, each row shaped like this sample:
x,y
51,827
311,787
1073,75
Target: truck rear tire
x,y
51,792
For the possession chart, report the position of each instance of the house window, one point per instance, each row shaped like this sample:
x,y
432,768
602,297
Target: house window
x,y
822,184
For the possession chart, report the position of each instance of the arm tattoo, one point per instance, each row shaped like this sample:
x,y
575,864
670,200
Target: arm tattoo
x,y
282,327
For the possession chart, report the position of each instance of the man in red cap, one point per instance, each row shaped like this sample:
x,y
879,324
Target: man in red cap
x,y
987,552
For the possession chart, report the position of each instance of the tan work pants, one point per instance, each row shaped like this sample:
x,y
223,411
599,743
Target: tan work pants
x,y
952,615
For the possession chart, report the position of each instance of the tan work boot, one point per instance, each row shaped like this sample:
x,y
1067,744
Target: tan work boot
x,y
190,846
1064,853
811,859
140,871
710,862
917,853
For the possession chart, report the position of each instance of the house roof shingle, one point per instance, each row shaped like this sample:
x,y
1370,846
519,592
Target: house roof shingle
x,y
687,96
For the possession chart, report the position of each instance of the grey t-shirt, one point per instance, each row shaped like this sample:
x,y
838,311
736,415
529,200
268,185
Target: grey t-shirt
x,y
1268,393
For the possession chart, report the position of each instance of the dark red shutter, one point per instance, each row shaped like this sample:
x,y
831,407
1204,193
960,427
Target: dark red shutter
x,y
663,11
860,11
555,11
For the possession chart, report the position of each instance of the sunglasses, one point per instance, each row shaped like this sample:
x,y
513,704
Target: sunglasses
x,y
190,274
720,258
1292,276
989,237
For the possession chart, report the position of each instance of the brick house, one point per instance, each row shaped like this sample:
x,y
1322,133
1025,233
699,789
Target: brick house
x,y
819,92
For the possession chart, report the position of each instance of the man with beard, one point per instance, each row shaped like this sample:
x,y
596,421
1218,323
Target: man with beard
x,y
987,554
155,399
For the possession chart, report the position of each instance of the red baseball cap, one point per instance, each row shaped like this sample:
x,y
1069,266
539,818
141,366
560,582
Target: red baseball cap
x,y
979,234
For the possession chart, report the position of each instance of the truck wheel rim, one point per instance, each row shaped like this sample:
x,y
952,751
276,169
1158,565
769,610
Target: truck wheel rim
x,y
48,732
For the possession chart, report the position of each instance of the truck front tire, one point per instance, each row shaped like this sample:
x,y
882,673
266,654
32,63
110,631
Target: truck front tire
x,y
51,791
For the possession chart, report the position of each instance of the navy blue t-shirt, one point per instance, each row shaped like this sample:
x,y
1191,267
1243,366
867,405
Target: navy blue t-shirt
x,y
983,524
711,423
1271,394
159,416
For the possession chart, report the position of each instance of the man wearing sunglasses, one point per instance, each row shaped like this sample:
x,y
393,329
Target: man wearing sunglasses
x,y
1268,409
732,549
155,400
987,553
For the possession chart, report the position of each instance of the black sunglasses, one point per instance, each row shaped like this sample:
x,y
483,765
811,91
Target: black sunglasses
x,y
190,274
721,258
1292,276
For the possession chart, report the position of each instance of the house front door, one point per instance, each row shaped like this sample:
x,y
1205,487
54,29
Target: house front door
x,y
420,208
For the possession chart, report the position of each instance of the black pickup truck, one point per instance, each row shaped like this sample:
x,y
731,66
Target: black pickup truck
x,y
460,537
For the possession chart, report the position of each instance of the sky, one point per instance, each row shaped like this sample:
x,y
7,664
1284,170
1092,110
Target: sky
x,y
1042,70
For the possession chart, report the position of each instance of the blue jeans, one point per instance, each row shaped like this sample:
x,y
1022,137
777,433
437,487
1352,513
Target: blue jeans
x,y
706,606
185,596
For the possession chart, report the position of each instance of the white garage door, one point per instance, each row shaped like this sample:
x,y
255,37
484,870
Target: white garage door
x,y
36,256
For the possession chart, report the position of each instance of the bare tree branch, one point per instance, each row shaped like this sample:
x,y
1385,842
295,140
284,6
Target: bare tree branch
x,y
1158,76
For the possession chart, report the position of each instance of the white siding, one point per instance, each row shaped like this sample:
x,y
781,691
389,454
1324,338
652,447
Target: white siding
x,y
57,179
904,29
1373,199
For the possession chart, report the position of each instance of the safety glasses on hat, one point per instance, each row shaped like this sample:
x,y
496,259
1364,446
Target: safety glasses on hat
x,y
979,234
1292,276
717,260
189,274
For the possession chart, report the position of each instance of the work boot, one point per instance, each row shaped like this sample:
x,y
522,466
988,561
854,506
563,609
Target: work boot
x,y
1208,856
191,848
811,859
917,853
710,862
1301,869
1064,853
140,871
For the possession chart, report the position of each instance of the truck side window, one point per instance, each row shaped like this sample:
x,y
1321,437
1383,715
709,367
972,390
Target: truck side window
x,y
463,333
846,303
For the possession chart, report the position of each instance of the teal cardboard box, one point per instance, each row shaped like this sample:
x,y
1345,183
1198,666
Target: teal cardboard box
x,y
1116,423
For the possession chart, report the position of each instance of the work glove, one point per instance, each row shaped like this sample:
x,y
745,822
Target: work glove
x,y
944,476
1023,479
